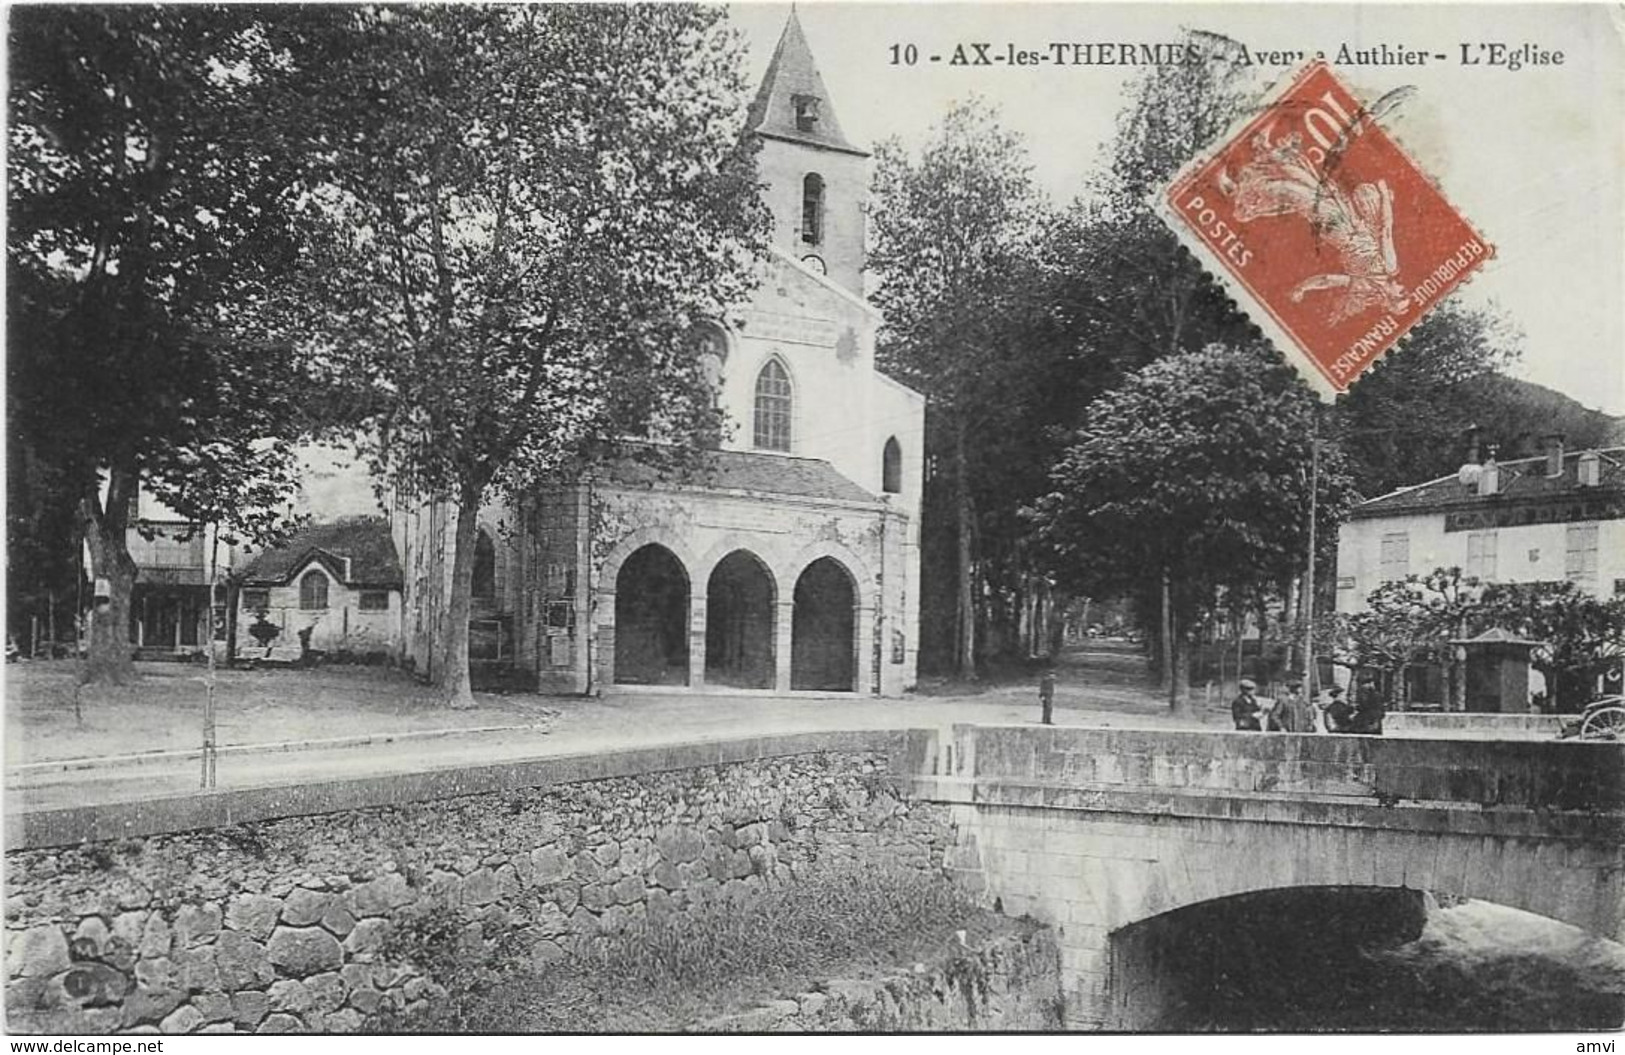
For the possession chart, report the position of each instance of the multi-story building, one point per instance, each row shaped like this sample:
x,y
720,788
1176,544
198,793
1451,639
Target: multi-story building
x,y
1558,516
792,563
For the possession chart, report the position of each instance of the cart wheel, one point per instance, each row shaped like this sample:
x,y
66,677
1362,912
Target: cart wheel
x,y
1604,723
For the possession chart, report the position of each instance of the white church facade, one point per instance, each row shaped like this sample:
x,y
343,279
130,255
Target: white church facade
x,y
790,563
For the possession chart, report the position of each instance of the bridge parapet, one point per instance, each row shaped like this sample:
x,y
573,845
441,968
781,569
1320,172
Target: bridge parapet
x,y
1533,775
1093,830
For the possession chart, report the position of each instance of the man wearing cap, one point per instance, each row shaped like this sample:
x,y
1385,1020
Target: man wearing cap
x,y
1244,708
1293,713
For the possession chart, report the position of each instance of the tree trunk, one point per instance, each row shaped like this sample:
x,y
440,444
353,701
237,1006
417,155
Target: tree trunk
x,y
1179,697
234,593
452,673
965,650
1165,635
109,658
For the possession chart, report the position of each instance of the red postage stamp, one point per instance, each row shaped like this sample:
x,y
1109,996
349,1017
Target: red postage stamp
x,y
1313,213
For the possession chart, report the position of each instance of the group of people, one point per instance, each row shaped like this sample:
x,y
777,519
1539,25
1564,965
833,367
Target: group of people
x,y
1296,713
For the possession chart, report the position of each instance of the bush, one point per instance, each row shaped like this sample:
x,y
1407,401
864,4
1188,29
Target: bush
x,y
719,956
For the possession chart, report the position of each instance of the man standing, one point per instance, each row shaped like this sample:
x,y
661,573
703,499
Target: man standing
x,y
1244,708
1369,710
1293,713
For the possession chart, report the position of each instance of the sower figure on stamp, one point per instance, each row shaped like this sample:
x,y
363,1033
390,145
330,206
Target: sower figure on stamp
x,y
1046,697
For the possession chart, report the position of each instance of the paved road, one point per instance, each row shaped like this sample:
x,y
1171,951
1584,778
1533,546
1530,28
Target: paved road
x,y
584,725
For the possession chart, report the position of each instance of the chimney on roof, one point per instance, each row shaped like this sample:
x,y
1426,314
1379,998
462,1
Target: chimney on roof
x,y
348,578
1489,475
1470,470
1554,454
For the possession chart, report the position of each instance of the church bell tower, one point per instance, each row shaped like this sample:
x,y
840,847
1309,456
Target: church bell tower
x,y
816,180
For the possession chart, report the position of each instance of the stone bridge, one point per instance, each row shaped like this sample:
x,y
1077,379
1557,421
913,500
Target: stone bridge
x,y
1099,831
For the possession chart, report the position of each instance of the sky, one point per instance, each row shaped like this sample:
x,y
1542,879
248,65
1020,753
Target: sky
x,y
1533,157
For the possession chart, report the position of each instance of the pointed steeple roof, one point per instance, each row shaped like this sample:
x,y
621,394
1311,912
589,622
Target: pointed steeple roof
x,y
781,110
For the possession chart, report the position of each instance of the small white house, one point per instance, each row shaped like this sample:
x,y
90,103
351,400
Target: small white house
x,y
339,581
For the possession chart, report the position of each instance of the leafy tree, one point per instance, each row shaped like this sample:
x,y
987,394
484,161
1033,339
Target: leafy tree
x,y
954,234
518,214
1403,422
1188,480
146,206
1405,623
1583,636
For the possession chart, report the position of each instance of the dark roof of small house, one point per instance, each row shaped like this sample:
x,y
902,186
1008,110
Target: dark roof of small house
x,y
793,72
366,541
775,474
1520,479
1494,636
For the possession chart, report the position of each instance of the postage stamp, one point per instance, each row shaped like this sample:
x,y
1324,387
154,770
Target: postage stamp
x,y
1327,233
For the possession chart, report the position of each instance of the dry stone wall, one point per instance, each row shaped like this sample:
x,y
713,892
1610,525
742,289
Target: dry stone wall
x,y
295,924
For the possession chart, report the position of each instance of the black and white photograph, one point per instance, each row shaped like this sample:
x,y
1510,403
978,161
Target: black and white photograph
x,y
822,518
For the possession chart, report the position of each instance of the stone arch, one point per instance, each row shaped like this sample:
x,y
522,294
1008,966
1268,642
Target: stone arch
x,y
651,639
791,570
610,569
741,602
824,641
1517,873
484,585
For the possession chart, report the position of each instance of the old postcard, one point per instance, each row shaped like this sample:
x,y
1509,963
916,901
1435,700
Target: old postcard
x,y
824,518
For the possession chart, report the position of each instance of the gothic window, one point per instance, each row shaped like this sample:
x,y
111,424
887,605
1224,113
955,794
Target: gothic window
x,y
485,566
773,407
812,209
711,348
891,467
313,590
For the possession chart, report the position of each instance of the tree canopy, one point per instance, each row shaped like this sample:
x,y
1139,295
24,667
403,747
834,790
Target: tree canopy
x,y
516,217
147,205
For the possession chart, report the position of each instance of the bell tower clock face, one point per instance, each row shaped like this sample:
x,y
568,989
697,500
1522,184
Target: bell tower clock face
x,y
816,262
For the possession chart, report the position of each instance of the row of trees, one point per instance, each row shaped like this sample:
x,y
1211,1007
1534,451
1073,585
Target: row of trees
x,y
1101,418
475,236
1414,622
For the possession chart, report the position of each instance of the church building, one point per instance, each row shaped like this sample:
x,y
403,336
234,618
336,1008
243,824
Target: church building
x,y
791,564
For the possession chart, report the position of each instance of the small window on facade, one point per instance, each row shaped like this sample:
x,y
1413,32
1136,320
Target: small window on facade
x,y
1396,557
891,467
313,590
1580,561
256,600
1481,555
806,112
773,407
485,566
374,601
812,209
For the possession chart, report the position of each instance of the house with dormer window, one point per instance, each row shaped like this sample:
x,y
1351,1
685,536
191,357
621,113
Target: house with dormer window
x,y
340,582
790,563
1557,516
